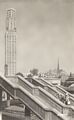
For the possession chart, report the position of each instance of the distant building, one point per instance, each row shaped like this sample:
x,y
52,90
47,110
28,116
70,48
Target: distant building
x,y
69,84
55,76
69,81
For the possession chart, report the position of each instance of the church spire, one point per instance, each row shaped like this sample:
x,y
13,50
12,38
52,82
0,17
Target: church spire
x,y
58,67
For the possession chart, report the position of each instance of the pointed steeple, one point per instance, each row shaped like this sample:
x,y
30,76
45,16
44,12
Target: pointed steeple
x,y
58,67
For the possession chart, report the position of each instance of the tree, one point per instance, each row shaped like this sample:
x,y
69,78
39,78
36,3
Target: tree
x,y
34,71
29,75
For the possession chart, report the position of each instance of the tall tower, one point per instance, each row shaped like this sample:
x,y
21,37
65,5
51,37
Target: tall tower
x,y
10,44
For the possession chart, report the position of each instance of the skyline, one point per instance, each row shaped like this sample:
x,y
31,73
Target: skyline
x,y
44,34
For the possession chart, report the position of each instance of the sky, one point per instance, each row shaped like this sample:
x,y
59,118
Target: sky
x,y
44,34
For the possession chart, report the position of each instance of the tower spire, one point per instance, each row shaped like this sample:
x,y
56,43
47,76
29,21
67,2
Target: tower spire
x,y
10,44
58,67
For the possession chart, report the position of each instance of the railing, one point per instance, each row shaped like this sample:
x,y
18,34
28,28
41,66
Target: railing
x,y
56,116
30,100
55,92
35,82
40,110
48,97
43,84
71,97
8,86
60,89
55,103
27,85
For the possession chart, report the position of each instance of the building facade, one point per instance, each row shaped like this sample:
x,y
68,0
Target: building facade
x,y
10,44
